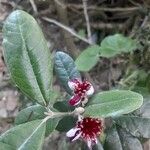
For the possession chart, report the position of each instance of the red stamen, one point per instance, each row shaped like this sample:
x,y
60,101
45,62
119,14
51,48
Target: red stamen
x,y
90,127
82,87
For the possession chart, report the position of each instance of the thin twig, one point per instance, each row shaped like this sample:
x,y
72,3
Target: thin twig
x,y
60,4
33,6
102,25
93,7
63,18
71,31
134,3
144,21
87,19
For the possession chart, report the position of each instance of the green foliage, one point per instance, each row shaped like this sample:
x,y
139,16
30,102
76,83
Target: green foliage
x,y
27,56
25,136
65,69
51,125
119,139
88,58
82,33
128,141
116,44
30,113
29,62
112,141
66,123
137,126
110,47
36,112
144,110
63,106
113,103
137,80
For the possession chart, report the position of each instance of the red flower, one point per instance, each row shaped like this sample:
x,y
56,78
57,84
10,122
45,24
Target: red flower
x,y
88,129
81,91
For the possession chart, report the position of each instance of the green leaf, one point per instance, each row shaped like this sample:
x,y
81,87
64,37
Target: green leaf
x,y
116,44
113,103
26,136
66,123
51,125
119,139
145,109
82,33
5,146
29,114
63,106
27,56
65,69
137,126
98,146
36,112
88,58
128,141
112,141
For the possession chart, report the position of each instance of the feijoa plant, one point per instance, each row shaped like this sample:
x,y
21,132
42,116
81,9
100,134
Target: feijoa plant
x,y
110,46
31,67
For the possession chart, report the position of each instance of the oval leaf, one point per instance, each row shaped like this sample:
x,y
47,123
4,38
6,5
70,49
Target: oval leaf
x,y
128,141
88,58
27,56
63,106
36,112
65,69
119,139
29,114
6,146
137,126
66,123
112,103
112,141
51,124
25,136
116,44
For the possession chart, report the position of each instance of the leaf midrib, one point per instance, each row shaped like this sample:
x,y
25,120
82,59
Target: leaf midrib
x,y
103,103
24,45
21,146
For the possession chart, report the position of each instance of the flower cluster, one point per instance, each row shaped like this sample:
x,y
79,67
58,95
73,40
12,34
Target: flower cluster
x,y
86,128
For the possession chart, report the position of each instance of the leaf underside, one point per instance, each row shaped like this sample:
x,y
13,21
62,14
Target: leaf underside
x,y
65,69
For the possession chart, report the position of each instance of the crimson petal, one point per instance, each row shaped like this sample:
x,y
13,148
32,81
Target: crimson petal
x,y
75,100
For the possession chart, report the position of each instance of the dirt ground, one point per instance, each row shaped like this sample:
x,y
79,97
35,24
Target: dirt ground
x,y
106,17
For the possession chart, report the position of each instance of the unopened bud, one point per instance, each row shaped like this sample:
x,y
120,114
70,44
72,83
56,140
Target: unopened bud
x,y
79,110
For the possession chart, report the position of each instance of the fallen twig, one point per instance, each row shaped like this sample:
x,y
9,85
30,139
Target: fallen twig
x,y
92,7
87,19
33,6
71,31
63,18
